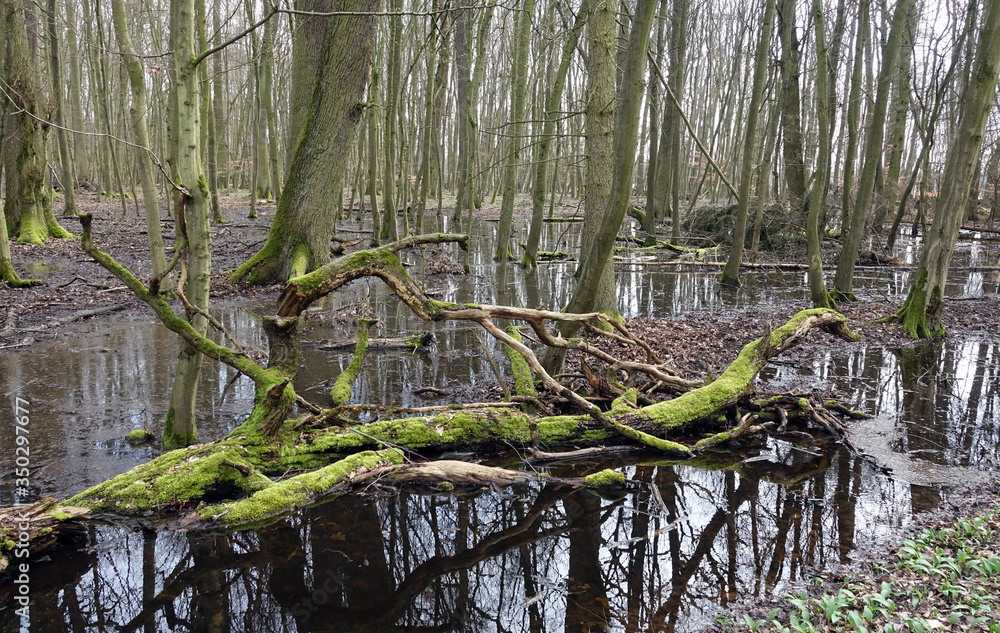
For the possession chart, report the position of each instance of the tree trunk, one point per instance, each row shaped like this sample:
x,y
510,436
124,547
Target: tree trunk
x,y
180,428
791,118
55,76
817,284
731,273
299,238
553,100
27,207
594,260
854,114
921,313
512,159
137,80
599,145
873,157
267,97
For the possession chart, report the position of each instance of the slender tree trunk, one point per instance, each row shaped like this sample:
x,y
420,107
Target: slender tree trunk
x,y
390,126
599,143
221,160
180,428
873,157
817,284
55,75
137,80
900,108
921,313
544,141
731,273
75,103
595,259
854,114
267,98
424,175
791,119
519,88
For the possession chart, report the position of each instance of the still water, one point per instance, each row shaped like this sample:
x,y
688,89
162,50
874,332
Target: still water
x,y
540,557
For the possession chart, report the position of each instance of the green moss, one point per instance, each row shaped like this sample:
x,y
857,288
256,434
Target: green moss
x,y
700,403
139,435
713,440
622,403
606,478
300,260
524,384
180,475
172,438
341,392
31,231
59,515
296,492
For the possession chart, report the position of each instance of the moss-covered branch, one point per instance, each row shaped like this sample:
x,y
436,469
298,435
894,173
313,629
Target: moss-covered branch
x,y
341,391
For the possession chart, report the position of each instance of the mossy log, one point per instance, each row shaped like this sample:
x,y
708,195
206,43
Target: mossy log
x,y
275,463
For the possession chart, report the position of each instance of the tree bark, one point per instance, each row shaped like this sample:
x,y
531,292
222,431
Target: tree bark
x,y
553,100
55,75
27,207
180,428
817,284
594,260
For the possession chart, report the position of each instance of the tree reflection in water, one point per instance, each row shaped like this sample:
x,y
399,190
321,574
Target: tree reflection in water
x,y
546,557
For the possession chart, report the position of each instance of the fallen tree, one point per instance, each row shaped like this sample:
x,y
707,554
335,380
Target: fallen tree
x,y
290,453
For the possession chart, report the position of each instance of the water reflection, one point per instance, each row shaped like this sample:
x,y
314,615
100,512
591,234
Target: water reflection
x,y
546,557
943,397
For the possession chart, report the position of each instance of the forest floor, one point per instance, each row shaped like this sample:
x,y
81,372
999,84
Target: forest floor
x,y
75,286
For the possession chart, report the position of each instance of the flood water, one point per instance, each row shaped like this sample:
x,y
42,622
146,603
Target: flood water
x,y
540,557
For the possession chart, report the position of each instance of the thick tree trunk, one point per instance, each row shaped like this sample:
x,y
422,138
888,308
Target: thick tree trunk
x,y
731,273
921,313
299,238
27,206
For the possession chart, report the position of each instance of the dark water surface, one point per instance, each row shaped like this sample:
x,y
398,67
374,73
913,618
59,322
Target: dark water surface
x,y
684,543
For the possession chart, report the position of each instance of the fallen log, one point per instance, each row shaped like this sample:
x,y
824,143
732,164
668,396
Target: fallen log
x,y
383,343
274,464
